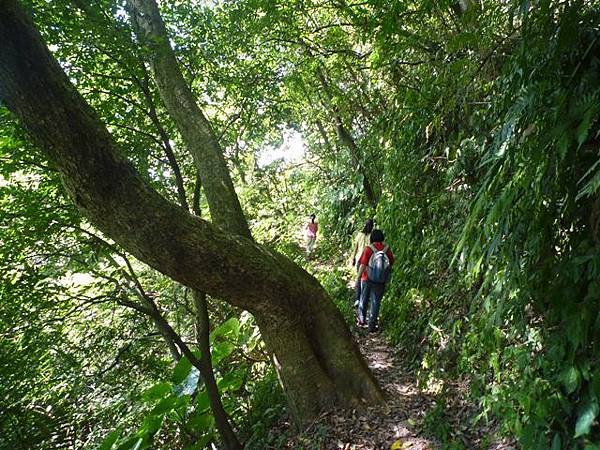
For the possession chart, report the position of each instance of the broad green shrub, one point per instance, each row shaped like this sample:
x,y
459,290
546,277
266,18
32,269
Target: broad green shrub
x,y
497,276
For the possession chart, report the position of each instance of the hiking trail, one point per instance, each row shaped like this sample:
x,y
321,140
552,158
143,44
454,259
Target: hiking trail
x,y
399,422
403,420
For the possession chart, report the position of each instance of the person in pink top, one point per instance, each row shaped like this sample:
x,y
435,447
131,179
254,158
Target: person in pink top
x,y
311,234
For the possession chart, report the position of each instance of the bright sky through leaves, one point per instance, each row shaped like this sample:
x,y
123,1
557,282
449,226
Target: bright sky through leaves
x,y
291,150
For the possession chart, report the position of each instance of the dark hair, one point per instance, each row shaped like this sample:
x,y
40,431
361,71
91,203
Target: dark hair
x,y
377,236
312,218
368,226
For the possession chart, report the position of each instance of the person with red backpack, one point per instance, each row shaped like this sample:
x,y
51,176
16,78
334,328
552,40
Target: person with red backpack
x,y
374,272
360,241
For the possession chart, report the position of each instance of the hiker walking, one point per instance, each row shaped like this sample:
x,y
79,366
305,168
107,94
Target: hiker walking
x,y
311,229
360,241
374,271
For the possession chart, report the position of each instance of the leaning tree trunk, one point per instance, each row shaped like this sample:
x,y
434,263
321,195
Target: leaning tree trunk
x,y
212,172
194,127
200,140
203,363
317,361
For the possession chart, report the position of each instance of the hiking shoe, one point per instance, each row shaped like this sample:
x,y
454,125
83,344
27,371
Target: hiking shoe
x,y
360,323
374,329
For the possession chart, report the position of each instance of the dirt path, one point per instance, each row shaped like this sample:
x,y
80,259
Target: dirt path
x,y
394,425
399,423
409,414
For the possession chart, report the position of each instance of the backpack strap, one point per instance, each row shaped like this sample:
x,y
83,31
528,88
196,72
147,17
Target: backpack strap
x,y
384,250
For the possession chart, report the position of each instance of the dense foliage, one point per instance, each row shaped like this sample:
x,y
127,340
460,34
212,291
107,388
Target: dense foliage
x,y
468,129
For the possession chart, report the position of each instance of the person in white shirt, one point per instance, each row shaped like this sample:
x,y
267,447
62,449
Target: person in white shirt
x,y
359,242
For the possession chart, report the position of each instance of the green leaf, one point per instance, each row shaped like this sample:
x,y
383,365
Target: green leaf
x,y
132,443
556,442
563,145
164,406
584,126
202,442
182,403
575,333
570,378
230,382
221,351
201,422
590,187
156,392
182,370
203,401
229,329
108,442
150,425
586,418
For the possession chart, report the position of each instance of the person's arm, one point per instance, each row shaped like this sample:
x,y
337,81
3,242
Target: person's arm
x,y
361,269
364,260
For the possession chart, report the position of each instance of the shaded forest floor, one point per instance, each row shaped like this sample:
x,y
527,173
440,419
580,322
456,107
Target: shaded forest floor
x,y
411,417
403,421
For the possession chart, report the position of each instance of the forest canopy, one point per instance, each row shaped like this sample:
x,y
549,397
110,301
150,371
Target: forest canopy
x,y
155,288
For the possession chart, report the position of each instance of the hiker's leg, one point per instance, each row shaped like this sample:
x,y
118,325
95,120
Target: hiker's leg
x,y
376,296
364,301
310,244
357,290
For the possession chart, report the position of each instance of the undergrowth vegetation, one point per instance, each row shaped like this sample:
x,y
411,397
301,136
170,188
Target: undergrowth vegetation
x,y
469,130
497,238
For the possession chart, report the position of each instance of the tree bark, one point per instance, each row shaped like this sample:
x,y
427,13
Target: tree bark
x,y
316,359
196,196
200,140
347,140
196,131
